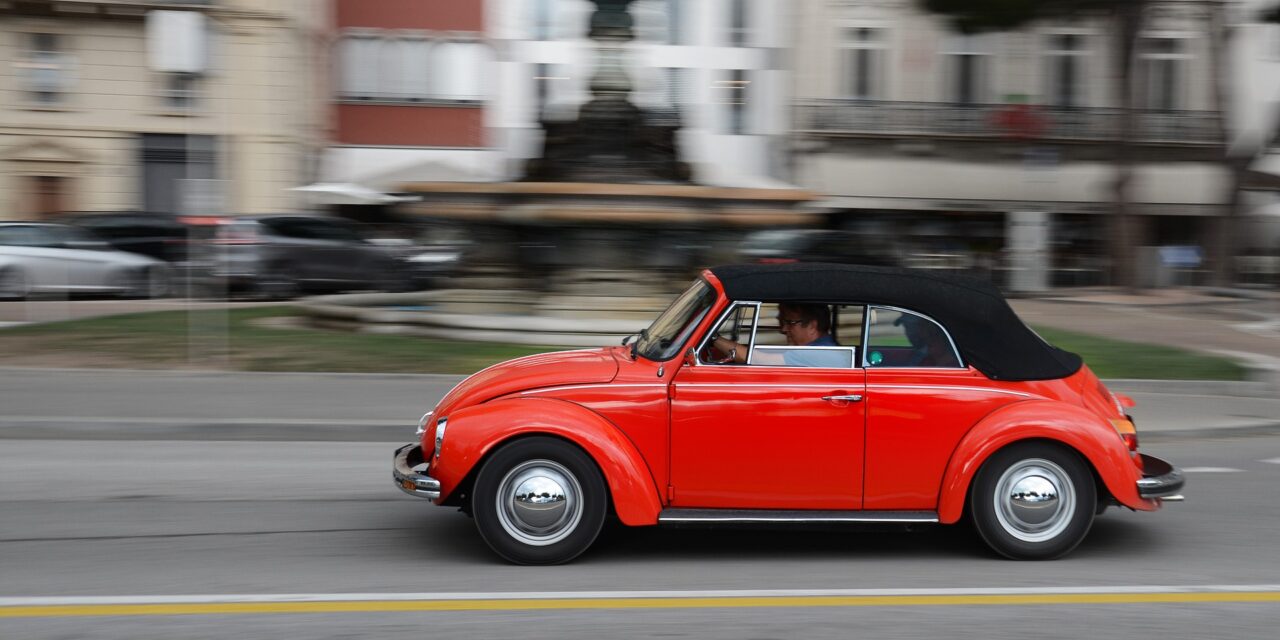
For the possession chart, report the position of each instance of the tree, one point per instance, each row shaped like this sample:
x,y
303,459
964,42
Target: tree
x,y
1126,18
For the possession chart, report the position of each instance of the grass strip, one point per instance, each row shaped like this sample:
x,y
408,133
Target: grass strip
x,y
239,339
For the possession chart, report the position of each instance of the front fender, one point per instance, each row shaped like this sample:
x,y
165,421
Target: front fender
x,y
477,430
1053,420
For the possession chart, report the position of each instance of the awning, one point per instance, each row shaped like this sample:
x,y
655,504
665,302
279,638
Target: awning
x,y
348,193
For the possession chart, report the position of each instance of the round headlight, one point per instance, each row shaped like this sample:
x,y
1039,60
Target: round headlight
x,y
440,424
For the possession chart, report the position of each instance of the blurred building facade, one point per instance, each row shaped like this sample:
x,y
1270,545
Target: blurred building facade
x,y
997,148
412,94
198,106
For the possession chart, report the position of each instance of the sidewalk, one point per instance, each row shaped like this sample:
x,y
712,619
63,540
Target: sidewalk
x,y
1219,322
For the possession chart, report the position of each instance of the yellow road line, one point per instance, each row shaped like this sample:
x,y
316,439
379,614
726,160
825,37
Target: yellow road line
x,y
503,604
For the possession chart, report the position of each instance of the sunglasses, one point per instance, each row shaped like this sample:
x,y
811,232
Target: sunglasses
x,y
782,322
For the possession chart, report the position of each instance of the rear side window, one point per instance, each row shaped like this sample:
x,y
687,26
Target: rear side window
x,y
900,338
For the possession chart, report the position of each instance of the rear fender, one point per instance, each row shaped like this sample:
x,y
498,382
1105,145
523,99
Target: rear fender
x,y
1051,420
476,431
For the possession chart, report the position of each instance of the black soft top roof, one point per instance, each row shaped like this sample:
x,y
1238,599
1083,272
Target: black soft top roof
x,y
986,330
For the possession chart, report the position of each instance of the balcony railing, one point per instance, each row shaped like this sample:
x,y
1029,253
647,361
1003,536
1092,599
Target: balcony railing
x,y
863,118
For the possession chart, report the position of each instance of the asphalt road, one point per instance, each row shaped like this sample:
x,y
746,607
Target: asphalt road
x,y
248,521
260,506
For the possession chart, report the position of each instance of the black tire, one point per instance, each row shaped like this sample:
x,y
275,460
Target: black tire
x,y
13,284
1033,501
276,282
545,530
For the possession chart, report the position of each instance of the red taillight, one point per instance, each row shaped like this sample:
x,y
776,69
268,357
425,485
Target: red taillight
x,y
776,260
1128,433
236,236
1130,440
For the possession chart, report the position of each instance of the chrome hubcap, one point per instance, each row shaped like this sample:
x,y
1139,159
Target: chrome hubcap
x,y
539,502
1034,500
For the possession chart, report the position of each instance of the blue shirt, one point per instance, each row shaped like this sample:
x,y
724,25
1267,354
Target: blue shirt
x,y
804,358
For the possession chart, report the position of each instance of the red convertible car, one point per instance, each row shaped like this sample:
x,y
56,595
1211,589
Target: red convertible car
x,y
797,393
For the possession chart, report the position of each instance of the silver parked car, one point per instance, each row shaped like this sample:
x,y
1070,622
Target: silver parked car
x,y
40,257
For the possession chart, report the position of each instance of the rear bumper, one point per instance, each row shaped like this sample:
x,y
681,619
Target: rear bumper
x,y
1159,479
410,481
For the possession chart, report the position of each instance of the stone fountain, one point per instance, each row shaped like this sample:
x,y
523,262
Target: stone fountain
x,y
605,223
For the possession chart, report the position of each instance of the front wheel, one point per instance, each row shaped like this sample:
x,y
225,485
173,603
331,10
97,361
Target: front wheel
x,y
1033,501
539,501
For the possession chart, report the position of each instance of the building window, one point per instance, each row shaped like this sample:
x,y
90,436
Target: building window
x,y
862,61
415,76
460,70
1161,68
359,67
181,90
542,20
967,70
48,69
411,69
674,17
739,32
734,93
1065,69
675,92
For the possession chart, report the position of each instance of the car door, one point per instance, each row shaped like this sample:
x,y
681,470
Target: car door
x,y
766,436
917,410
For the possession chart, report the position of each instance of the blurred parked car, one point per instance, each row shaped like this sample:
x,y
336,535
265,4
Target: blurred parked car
x,y
179,241
42,258
776,246
281,255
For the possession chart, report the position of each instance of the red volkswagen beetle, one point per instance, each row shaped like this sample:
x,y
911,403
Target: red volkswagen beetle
x,y
797,393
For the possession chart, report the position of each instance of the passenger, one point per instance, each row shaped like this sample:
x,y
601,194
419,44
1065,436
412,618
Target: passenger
x,y
929,346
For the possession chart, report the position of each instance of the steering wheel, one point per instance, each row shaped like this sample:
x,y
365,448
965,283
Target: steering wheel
x,y
714,355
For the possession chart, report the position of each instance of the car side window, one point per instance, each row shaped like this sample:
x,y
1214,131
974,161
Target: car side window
x,y
738,326
900,338
753,332
15,237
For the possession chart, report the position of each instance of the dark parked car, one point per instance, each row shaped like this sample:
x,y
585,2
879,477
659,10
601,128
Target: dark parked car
x,y
281,255
775,246
180,241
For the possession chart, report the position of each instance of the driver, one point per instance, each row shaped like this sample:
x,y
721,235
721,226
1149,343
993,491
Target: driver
x,y
804,325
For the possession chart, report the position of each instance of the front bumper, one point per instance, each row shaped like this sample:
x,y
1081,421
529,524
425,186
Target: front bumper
x,y
410,481
1159,479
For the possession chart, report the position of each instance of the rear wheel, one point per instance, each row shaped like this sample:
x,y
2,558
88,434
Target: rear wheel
x,y
276,282
539,501
1033,501
13,284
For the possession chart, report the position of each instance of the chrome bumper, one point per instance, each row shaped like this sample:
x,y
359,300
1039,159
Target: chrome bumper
x,y
1160,479
410,481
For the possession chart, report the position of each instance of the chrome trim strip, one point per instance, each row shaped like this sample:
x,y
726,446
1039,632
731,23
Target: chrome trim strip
x,y
948,387
676,515
592,386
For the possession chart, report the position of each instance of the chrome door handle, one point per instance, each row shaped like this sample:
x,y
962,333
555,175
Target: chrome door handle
x,y
849,398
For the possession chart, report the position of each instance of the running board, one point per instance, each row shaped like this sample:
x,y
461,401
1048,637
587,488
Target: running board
x,y
796,516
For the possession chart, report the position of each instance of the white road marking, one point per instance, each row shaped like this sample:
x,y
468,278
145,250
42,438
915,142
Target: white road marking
x,y
611,595
1271,461
1212,470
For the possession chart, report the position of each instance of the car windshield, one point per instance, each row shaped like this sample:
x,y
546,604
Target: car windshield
x,y
668,333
